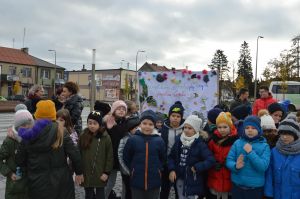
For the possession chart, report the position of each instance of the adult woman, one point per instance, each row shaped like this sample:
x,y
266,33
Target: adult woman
x,y
44,151
74,104
59,99
35,94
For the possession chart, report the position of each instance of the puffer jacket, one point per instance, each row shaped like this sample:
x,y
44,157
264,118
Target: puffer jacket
x,y
219,175
199,157
262,103
283,176
97,160
75,106
13,189
255,163
49,176
144,156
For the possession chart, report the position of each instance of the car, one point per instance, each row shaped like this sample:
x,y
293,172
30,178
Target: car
x,y
2,98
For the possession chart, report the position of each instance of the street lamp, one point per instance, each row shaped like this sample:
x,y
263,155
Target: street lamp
x,y
255,83
54,70
137,76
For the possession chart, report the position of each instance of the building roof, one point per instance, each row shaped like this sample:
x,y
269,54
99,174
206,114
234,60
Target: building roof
x,y
21,56
153,67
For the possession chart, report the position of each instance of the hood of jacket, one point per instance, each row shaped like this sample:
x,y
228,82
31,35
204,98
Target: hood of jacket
x,y
41,136
167,124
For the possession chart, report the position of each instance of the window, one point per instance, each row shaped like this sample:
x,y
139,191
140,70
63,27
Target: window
x,y
12,70
26,72
45,73
291,89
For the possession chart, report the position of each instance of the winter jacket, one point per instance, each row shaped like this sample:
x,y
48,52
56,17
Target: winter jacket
x,y
97,163
58,105
124,169
237,101
116,133
262,103
14,189
75,105
31,104
283,176
219,175
255,163
49,176
199,157
144,156
169,134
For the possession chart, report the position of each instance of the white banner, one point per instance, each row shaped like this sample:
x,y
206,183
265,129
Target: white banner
x,y
197,91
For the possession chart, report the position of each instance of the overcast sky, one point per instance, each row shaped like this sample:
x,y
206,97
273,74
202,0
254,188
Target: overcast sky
x,y
174,33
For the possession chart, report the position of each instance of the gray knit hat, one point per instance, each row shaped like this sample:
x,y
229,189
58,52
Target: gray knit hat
x,y
194,121
20,107
290,125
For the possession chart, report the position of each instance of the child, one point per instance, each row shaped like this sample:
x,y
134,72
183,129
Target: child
x,y
97,156
172,127
132,109
277,112
283,175
248,159
15,188
223,138
115,122
269,130
189,158
160,120
262,112
211,119
43,151
144,154
63,116
239,113
132,124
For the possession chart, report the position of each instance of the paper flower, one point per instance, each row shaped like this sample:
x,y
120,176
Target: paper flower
x,y
198,76
160,78
204,72
206,78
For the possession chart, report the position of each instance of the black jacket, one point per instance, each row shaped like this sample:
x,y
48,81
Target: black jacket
x,y
49,176
75,105
31,104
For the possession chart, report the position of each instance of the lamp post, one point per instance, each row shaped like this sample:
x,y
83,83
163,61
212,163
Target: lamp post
x,y
255,83
54,69
137,76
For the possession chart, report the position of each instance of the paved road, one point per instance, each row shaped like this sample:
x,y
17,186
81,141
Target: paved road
x,y
6,120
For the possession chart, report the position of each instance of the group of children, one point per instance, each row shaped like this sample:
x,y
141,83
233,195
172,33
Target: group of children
x,y
237,157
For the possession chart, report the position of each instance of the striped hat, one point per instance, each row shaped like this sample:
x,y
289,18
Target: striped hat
x,y
290,125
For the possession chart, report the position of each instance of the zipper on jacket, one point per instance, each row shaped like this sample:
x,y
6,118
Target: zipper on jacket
x,y
146,166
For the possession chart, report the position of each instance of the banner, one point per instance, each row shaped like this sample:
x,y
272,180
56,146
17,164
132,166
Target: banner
x,y
197,91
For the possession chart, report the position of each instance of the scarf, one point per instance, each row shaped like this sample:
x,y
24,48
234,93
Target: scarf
x,y
288,149
188,141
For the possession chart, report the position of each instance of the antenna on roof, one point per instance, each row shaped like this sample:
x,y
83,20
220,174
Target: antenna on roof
x,y
13,40
24,36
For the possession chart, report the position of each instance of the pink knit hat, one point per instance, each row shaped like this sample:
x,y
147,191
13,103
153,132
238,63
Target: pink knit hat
x,y
21,118
117,104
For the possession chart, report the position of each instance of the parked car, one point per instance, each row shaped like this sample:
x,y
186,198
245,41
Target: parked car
x,y
20,98
2,98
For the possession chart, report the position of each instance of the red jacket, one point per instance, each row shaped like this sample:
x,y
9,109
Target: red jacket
x,y
262,103
219,179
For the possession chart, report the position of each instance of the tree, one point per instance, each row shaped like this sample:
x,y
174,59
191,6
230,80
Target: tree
x,y
295,54
240,83
244,64
220,63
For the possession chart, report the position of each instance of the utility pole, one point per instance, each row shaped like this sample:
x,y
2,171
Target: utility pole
x,y
93,82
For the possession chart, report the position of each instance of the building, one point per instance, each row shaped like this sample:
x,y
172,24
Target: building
x,y
111,84
153,68
19,71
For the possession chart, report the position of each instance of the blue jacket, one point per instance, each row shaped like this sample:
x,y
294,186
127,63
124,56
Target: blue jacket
x,y
144,156
255,163
199,157
283,176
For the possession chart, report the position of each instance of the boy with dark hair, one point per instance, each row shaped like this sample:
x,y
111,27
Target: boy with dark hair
x,y
171,128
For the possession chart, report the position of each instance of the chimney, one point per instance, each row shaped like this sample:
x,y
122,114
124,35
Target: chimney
x,y
25,50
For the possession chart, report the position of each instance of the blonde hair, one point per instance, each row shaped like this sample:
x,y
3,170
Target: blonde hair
x,y
262,112
35,88
59,136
